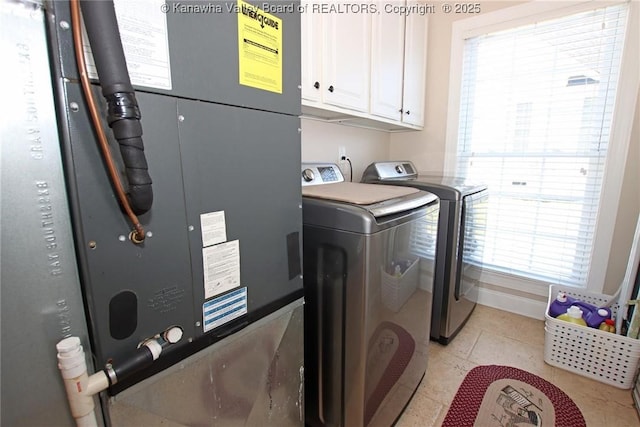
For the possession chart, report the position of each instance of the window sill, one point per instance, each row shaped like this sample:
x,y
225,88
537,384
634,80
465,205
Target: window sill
x,y
512,281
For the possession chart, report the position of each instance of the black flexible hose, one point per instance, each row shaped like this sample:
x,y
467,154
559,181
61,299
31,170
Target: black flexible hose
x,y
123,111
141,359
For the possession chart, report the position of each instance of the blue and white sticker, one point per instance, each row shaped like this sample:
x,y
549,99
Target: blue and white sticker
x,y
224,309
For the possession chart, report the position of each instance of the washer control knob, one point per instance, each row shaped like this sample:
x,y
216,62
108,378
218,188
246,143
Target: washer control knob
x,y
399,169
308,175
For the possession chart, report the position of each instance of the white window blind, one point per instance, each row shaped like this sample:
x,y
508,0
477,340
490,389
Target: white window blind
x,y
535,116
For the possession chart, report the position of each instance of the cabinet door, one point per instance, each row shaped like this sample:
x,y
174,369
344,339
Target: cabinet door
x,y
311,33
415,68
387,63
346,60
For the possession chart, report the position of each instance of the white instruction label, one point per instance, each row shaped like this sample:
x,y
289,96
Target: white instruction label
x,y
221,268
214,229
223,309
143,30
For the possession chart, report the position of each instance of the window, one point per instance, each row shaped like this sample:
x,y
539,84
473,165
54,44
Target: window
x,y
535,118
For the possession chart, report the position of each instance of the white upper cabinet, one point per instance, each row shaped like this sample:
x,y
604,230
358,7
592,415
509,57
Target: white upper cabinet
x,y
387,58
415,69
311,41
336,57
367,69
346,58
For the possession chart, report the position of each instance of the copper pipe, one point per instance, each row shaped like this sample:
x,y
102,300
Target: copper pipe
x,y
137,235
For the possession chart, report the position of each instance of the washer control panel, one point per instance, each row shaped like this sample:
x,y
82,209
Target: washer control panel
x,y
320,173
390,171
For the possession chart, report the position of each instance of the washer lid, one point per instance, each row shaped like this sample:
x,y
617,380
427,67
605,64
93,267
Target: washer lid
x,y
378,200
357,193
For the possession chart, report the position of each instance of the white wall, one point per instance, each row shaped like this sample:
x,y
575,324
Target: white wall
x,y
628,211
320,142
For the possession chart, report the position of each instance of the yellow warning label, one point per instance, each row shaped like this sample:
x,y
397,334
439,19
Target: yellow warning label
x,y
259,48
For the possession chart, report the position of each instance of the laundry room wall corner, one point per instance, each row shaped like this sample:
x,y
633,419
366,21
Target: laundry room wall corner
x,y
320,143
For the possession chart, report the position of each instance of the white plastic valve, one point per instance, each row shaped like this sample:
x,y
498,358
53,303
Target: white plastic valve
x,y
173,334
71,361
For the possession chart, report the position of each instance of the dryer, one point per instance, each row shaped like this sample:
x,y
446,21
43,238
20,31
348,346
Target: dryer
x,y
461,230
368,291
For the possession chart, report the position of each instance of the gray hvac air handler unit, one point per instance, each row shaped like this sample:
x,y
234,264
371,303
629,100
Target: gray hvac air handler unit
x,y
216,253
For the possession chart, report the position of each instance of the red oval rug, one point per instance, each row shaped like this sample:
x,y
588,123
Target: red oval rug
x,y
495,395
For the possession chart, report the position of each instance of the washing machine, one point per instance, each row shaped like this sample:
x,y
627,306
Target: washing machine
x,y
368,284
461,236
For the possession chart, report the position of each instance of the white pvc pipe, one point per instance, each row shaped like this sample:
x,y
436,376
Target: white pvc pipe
x,y
80,387
88,420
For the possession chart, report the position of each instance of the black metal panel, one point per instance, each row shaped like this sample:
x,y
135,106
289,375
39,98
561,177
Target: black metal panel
x,y
205,154
158,271
247,164
203,51
202,158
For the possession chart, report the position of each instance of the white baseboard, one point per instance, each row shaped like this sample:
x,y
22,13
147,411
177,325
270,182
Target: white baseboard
x,y
512,303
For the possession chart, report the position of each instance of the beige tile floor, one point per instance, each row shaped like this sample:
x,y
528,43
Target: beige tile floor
x,y
495,337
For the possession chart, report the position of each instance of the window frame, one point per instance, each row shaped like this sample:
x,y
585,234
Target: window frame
x,y
623,118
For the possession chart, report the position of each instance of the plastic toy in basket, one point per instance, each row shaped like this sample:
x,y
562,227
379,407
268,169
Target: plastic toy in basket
x,y
592,315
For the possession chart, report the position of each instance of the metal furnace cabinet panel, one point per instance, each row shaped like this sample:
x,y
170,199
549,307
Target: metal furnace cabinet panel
x,y
212,145
246,164
204,158
253,378
41,300
203,50
132,291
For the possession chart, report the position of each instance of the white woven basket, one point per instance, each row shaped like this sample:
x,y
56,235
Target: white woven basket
x,y
599,355
396,290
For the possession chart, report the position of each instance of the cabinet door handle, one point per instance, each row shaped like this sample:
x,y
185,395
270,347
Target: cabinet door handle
x,y
331,88
316,85
407,112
